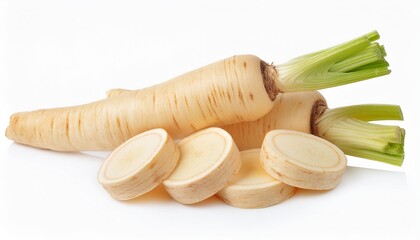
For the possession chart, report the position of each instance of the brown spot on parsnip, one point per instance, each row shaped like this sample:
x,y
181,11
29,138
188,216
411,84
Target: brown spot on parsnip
x,y
67,128
251,96
245,64
241,96
175,101
118,123
208,97
186,102
200,108
307,172
175,122
236,73
279,173
214,99
318,109
270,77
15,120
128,129
152,165
282,189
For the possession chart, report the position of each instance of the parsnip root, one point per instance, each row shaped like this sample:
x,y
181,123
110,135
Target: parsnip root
x,y
236,89
302,160
139,165
291,111
209,160
253,187
348,127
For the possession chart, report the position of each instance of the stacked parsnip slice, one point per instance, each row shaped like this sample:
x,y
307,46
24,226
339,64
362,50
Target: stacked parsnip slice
x,y
209,160
139,164
194,169
252,187
302,160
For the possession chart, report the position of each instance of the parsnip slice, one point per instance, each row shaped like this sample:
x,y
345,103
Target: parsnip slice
x,y
302,160
209,159
253,187
139,164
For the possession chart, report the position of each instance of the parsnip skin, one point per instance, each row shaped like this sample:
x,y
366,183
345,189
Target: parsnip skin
x,y
209,160
228,91
252,187
302,160
292,111
116,91
139,165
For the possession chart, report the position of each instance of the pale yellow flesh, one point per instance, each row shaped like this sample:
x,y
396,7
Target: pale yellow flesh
x,y
134,155
209,159
253,187
251,172
139,165
199,154
306,150
302,160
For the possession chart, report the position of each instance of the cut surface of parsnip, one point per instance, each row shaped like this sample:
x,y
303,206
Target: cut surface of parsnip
x,y
253,187
302,160
139,165
236,89
209,159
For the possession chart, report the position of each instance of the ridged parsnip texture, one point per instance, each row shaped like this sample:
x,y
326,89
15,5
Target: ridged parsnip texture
x,y
225,92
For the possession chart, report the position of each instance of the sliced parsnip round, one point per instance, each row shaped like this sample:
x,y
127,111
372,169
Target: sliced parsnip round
x,y
302,160
139,164
209,159
253,187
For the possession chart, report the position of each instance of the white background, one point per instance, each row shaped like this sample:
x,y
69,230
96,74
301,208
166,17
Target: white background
x,y
58,53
